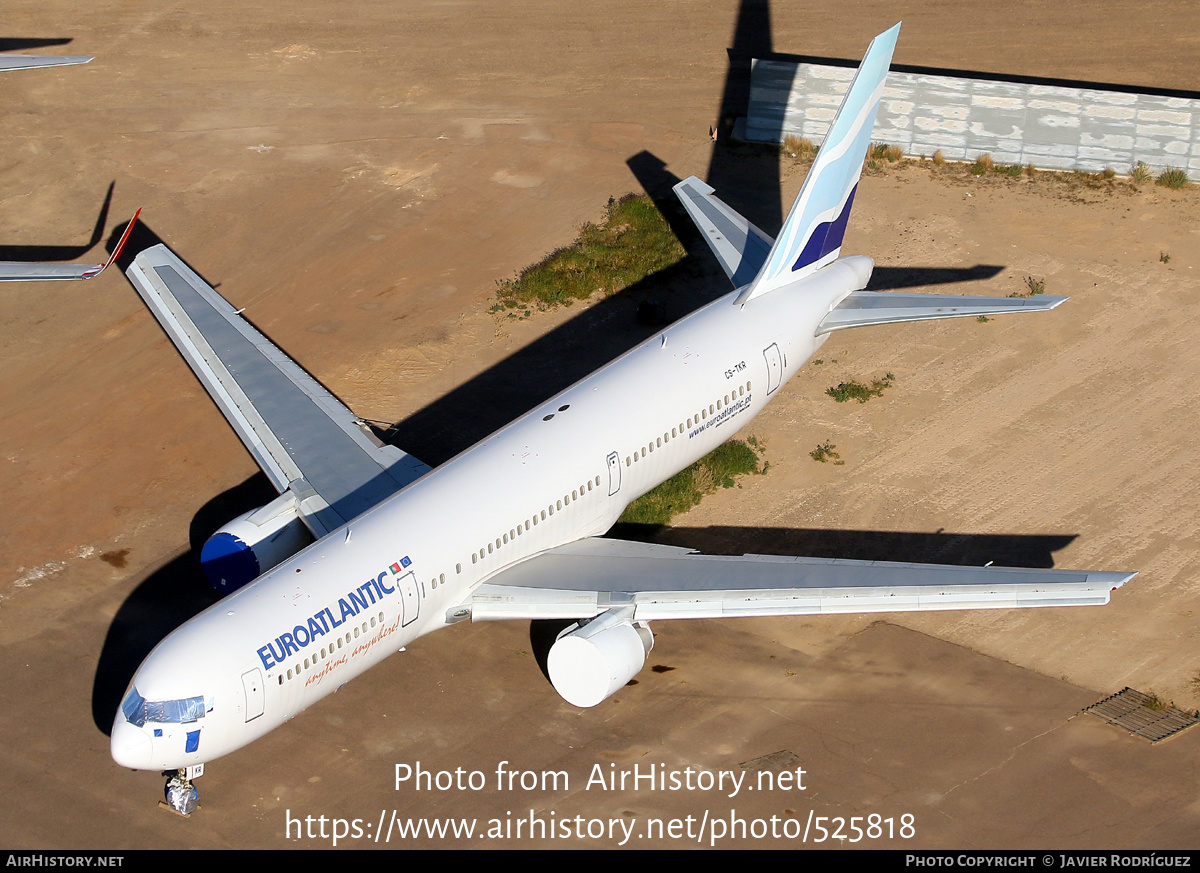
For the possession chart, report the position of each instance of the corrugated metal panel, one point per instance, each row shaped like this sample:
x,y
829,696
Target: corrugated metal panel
x,y
1048,126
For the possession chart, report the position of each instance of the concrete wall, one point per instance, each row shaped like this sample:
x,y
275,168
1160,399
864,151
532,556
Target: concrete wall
x,y
1044,125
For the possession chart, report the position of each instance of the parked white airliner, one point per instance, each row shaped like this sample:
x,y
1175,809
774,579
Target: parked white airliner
x,y
367,548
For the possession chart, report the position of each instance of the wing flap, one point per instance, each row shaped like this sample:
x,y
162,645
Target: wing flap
x,y
740,247
302,437
666,582
862,308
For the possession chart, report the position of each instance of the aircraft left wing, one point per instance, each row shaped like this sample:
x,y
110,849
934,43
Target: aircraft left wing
x,y
592,576
309,444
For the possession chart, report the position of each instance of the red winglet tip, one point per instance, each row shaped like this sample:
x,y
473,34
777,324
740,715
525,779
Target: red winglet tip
x,y
116,251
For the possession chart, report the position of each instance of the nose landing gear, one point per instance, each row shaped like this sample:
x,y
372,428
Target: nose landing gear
x,y
182,796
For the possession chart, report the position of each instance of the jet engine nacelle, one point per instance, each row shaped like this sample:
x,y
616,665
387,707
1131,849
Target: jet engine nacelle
x,y
253,543
591,660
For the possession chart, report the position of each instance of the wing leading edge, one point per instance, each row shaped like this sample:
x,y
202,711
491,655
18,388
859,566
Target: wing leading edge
x,y
595,575
307,442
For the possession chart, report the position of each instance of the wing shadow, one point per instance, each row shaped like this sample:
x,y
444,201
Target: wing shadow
x,y
62,253
23,43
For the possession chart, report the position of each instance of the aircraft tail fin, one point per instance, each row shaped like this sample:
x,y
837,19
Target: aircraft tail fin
x,y
812,234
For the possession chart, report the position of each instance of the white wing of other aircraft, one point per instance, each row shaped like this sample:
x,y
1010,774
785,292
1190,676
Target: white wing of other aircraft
x,y
29,62
509,529
49,271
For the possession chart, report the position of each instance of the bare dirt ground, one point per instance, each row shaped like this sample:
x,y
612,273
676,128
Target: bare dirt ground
x,y
358,176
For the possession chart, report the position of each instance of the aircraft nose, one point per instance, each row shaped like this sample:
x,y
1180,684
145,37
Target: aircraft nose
x,y
130,745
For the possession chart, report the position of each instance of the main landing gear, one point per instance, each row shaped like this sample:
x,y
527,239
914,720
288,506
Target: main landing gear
x,y
182,796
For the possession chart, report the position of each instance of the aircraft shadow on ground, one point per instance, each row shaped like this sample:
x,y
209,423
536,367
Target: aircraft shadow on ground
x,y
165,599
601,332
63,253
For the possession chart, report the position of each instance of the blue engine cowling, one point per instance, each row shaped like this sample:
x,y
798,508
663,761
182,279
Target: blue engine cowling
x,y
252,544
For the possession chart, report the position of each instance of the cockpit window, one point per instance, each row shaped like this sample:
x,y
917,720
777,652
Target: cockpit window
x,y
138,710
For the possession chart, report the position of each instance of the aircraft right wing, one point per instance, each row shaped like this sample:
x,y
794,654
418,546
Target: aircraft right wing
x,y
592,576
862,308
305,440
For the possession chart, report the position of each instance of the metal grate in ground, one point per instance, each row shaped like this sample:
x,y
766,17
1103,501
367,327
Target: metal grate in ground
x,y
1142,715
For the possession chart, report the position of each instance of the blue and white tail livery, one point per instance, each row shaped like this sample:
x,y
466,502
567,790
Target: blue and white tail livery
x,y
367,549
812,234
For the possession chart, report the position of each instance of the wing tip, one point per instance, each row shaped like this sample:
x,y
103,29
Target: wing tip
x,y
116,253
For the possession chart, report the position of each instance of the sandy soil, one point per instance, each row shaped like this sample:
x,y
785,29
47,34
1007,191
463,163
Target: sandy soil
x,y
360,179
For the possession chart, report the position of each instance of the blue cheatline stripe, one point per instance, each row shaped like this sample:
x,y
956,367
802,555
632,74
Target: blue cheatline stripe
x,y
827,237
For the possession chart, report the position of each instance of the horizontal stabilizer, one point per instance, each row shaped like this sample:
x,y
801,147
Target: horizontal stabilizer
x,y
740,246
302,437
594,575
863,308
44,271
